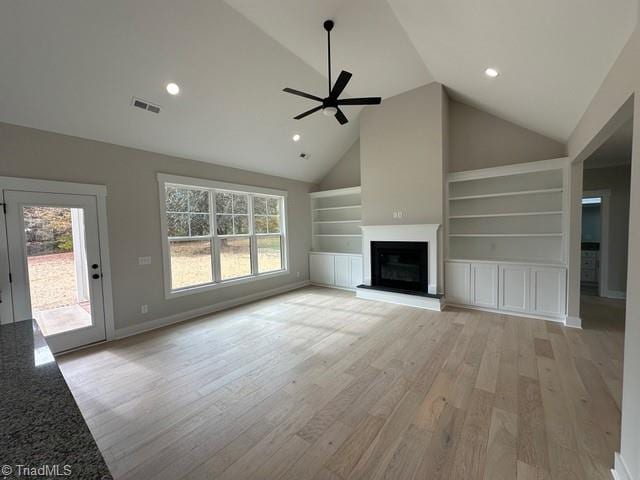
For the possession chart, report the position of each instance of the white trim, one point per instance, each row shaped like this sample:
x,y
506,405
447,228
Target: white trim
x,y
209,309
509,312
336,192
71,188
515,169
605,208
405,233
214,238
532,263
573,322
50,186
417,301
202,182
620,471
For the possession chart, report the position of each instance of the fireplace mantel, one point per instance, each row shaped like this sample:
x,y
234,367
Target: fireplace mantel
x,y
403,233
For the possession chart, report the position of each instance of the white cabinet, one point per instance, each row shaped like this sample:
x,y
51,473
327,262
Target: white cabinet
x,y
548,291
338,270
322,269
356,271
484,285
343,271
509,287
457,283
513,288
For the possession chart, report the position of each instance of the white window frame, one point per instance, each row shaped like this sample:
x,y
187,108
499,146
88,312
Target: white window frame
x,y
165,180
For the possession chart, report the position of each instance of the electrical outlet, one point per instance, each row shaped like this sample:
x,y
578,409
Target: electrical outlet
x,y
144,260
144,308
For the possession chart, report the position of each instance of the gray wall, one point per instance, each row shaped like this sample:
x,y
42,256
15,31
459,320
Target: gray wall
x,y
621,83
134,212
481,140
401,158
618,180
345,173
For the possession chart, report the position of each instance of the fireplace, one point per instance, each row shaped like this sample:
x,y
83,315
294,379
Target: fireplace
x,y
400,265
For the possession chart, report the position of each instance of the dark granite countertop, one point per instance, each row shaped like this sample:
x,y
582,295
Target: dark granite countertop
x,y
40,423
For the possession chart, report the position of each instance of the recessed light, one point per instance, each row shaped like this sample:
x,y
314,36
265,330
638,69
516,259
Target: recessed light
x,y
296,137
173,88
491,72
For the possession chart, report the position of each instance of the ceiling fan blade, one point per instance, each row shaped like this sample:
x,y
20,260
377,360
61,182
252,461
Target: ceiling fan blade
x,y
360,101
341,82
308,112
302,94
341,117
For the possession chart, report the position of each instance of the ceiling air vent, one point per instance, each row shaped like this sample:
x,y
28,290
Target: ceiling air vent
x,y
144,105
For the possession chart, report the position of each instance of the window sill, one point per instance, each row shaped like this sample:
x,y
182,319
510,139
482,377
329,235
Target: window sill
x,y
227,283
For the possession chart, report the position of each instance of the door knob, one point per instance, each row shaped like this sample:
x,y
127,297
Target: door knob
x,y
95,276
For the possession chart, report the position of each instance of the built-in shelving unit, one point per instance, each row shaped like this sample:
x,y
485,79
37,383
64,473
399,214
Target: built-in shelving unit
x,y
506,246
336,219
516,212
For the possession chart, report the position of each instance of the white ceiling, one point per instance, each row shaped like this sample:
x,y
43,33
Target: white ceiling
x,y
552,54
71,66
616,150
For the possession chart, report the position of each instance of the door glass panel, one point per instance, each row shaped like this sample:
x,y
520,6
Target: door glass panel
x,y
58,270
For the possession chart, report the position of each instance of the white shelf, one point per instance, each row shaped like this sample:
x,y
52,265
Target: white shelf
x,y
337,221
336,235
471,235
514,214
514,261
336,208
508,194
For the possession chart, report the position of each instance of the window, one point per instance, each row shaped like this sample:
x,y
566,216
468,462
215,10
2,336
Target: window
x,y
219,233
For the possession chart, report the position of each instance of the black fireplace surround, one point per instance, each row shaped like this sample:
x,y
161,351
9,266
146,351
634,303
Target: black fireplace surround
x,y
400,265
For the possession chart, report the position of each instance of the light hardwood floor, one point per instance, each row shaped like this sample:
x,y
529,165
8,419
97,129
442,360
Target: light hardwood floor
x,y
316,384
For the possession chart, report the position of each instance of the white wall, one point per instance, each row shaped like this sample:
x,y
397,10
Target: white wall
x,y
134,212
621,83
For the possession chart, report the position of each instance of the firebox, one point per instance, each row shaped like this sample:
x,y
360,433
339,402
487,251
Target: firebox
x,y
400,265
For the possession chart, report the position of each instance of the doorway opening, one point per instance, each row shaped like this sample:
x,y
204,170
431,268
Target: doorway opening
x,y
57,265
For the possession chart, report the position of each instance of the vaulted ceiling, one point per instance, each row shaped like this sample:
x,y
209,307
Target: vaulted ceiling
x,y
72,66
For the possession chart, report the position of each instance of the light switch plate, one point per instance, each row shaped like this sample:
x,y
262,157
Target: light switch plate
x,y
144,260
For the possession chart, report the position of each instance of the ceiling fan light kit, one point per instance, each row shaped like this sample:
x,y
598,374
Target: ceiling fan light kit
x,y
330,105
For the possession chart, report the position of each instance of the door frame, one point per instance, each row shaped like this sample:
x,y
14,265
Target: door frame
x,y
50,186
603,275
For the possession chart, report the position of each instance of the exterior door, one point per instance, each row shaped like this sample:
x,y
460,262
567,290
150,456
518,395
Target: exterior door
x,y
54,260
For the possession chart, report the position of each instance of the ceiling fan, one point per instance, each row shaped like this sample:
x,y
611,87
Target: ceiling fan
x,y
331,104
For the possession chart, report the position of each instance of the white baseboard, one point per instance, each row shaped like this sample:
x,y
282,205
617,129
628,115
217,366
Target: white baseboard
x,y
573,322
615,294
620,470
505,312
198,312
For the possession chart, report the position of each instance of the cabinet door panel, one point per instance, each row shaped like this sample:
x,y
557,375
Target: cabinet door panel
x,y
514,288
356,271
548,291
322,269
343,271
484,285
457,282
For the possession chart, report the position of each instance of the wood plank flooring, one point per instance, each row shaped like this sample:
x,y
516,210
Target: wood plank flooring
x,y
316,384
